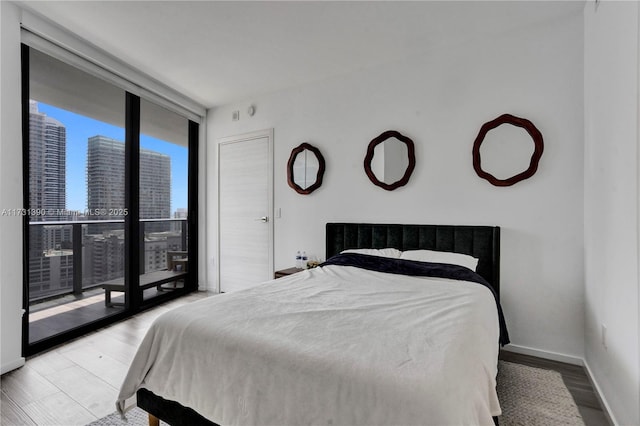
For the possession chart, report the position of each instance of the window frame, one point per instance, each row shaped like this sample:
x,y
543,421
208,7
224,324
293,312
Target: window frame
x,y
134,302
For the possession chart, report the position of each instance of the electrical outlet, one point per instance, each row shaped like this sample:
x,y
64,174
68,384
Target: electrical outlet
x,y
603,335
235,115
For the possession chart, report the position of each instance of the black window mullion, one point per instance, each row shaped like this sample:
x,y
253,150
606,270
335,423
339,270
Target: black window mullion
x,y
25,194
133,295
192,206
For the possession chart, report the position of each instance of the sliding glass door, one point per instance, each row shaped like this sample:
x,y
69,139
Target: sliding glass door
x,y
107,186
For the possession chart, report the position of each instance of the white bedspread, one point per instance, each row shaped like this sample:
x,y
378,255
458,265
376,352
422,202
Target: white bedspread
x,y
332,346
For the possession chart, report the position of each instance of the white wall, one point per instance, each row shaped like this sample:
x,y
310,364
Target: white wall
x,y
611,203
440,100
10,189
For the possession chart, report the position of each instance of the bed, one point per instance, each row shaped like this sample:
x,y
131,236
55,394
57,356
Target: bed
x,y
344,344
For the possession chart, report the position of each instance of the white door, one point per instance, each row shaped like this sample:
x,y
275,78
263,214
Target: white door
x,y
245,226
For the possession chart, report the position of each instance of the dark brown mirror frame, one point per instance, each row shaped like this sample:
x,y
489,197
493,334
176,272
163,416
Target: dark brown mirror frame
x,y
369,157
535,158
292,159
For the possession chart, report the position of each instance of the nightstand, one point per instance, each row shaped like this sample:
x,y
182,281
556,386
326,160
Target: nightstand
x,y
284,272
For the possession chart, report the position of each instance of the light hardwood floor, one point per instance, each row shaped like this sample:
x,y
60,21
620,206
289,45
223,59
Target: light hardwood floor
x,y
78,382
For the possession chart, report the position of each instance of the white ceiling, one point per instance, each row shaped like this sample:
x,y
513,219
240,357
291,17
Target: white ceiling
x,y
217,52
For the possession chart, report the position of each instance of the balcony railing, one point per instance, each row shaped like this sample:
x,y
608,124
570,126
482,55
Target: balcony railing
x,y
70,257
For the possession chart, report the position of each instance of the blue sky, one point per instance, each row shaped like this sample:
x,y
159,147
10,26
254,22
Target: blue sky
x,y
80,129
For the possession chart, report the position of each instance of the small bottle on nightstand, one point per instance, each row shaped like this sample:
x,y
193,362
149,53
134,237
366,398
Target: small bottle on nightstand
x,y
298,259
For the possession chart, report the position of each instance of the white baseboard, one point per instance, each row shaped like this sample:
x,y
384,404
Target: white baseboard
x,y
17,363
554,356
202,286
603,401
213,287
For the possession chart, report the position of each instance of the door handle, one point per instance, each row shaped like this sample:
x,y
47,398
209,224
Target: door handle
x,y
264,219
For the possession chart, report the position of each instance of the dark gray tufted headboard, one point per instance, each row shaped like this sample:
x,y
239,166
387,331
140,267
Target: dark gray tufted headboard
x,y
481,242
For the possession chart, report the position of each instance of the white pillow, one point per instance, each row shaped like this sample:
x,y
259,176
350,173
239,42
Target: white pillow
x,y
441,257
385,252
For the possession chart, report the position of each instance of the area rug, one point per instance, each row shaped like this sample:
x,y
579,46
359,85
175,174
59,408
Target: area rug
x,y
534,397
528,396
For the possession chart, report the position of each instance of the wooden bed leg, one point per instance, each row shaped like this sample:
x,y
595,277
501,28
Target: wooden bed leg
x,y
153,420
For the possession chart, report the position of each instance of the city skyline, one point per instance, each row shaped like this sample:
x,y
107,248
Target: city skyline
x,y
56,250
79,129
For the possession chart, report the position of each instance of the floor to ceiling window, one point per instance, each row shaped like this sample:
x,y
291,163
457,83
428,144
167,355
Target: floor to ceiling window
x,y
108,191
164,167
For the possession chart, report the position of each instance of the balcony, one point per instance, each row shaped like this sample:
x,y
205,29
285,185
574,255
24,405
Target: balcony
x,y
71,261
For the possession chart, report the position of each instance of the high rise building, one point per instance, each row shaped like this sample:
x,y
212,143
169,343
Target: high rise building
x,y
105,176
50,265
103,257
47,164
105,179
180,213
155,185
